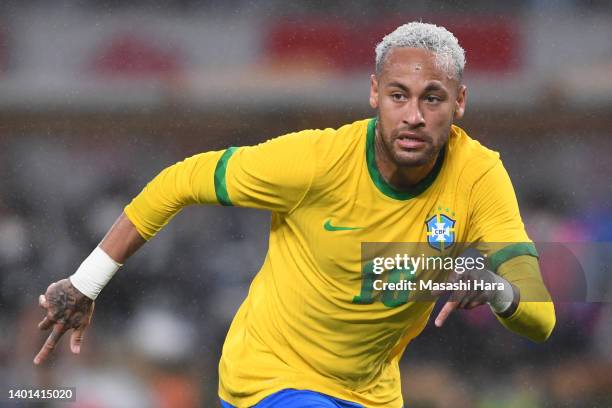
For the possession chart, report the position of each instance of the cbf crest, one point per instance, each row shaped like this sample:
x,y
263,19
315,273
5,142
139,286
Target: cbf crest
x,y
440,231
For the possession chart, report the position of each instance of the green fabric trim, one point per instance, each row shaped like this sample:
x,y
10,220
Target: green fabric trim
x,y
379,180
511,251
220,186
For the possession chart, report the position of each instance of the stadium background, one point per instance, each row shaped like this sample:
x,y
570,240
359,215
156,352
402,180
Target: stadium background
x,y
97,96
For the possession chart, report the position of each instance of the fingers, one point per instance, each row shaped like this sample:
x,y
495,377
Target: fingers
x,y
480,299
450,278
42,301
76,339
451,304
445,312
46,323
58,330
467,298
50,289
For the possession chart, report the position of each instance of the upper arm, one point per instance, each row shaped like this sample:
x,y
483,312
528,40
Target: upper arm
x,y
496,227
274,175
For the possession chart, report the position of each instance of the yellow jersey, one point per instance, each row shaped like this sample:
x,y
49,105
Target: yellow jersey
x,y
310,320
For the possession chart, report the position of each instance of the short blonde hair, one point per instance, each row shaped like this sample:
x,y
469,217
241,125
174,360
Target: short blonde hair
x,y
449,54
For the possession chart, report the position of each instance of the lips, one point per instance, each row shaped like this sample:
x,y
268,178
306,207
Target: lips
x,y
409,140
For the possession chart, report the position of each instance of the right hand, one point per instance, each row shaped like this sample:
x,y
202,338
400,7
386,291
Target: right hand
x,y
66,308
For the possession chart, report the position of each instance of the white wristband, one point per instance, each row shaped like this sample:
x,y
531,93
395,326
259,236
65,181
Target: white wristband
x,y
94,273
503,298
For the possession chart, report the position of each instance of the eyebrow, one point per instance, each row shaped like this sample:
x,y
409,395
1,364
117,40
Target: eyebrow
x,y
434,87
398,85
430,87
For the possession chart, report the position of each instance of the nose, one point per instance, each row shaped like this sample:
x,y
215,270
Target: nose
x,y
413,116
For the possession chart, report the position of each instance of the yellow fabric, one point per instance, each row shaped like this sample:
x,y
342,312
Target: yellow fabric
x,y
175,187
300,325
495,221
535,315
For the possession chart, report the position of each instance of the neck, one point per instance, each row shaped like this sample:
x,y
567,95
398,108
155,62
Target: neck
x,y
399,177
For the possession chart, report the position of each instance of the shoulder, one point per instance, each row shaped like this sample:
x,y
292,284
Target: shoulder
x,y
329,148
335,138
468,157
323,141
333,145
312,151
334,154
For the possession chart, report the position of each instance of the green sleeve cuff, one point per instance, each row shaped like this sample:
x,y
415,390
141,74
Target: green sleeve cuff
x,y
511,251
220,182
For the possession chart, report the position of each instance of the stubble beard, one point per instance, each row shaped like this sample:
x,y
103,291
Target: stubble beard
x,y
406,158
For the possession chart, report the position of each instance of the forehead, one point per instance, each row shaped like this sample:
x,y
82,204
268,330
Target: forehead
x,y
412,64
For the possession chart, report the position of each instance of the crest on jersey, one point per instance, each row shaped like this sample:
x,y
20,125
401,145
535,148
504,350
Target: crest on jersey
x,y
440,231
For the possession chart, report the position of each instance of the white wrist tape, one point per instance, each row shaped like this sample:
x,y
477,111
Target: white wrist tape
x,y
503,298
94,273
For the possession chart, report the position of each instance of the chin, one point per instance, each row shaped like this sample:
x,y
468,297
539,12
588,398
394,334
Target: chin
x,y
416,159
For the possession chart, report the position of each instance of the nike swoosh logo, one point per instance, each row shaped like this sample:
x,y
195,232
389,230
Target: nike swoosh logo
x,y
329,227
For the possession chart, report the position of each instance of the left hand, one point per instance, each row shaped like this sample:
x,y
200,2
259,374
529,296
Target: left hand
x,y
469,299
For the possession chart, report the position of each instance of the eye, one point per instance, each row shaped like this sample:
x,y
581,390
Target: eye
x,y
432,99
398,97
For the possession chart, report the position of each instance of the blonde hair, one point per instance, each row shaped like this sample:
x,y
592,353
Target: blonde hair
x,y
449,55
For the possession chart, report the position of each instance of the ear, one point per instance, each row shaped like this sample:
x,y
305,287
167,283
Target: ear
x,y
460,102
373,91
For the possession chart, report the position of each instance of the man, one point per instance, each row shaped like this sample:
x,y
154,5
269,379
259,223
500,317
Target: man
x,y
313,331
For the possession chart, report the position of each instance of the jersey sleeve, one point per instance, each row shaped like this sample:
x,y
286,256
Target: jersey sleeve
x,y
534,317
274,175
497,230
495,226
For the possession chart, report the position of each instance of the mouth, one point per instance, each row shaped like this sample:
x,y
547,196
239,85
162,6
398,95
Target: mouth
x,y
410,141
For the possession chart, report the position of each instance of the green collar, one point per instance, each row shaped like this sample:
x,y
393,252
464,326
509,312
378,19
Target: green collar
x,y
380,182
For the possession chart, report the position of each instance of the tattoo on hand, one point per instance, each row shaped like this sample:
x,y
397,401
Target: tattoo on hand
x,y
67,305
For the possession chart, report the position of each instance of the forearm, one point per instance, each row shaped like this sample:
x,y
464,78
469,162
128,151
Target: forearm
x,y
122,240
534,316
188,182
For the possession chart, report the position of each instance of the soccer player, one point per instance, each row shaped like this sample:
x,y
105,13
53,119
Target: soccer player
x,y
313,331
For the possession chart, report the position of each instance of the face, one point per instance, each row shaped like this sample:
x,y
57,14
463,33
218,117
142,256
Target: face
x,y
417,103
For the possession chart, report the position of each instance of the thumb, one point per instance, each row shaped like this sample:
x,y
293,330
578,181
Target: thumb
x,y
76,339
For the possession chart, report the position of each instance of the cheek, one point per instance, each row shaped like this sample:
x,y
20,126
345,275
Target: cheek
x,y
389,109
388,119
442,117
385,127
438,125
